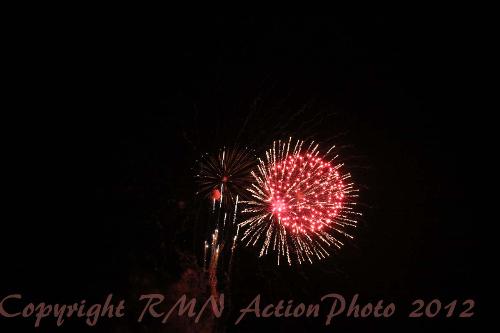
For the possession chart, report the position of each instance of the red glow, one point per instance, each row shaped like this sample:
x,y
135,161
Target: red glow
x,y
216,194
305,192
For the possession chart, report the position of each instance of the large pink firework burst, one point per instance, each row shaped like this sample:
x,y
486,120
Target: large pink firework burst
x,y
302,203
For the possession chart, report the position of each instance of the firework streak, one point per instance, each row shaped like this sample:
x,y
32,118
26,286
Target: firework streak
x,y
225,232
223,178
302,204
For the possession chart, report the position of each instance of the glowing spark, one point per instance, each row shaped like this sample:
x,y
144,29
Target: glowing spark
x,y
205,248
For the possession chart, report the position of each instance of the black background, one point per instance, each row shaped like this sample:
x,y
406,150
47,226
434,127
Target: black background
x,y
106,121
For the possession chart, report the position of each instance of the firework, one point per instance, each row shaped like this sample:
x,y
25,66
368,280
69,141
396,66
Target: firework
x,y
223,176
224,232
302,204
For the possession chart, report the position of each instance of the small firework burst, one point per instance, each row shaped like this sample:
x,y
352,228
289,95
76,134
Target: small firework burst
x,y
223,176
302,204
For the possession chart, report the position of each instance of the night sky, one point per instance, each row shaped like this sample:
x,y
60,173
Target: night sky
x,y
108,119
